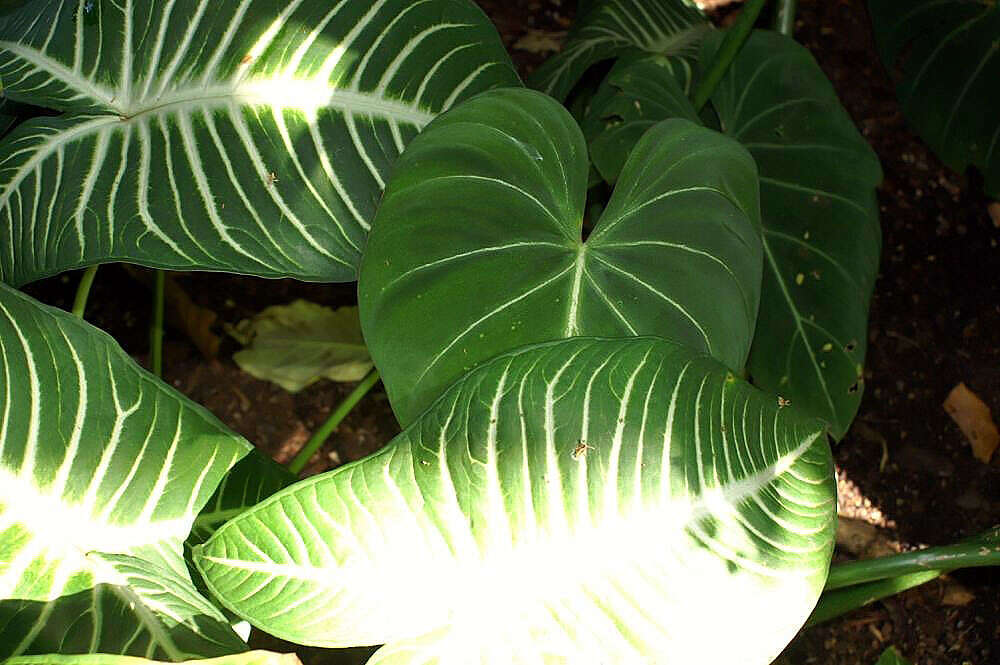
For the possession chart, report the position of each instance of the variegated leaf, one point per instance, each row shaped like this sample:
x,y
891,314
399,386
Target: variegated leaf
x,y
251,136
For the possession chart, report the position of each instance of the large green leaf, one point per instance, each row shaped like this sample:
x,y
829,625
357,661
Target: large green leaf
x,y
97,456
948,55
821,230
250,136
248,658
477,247
613,28
574,503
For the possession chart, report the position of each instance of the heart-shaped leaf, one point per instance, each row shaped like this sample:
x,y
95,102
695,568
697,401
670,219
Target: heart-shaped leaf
x,y
97,456
574,503
477,247
948,53
821,231
249,136
612,28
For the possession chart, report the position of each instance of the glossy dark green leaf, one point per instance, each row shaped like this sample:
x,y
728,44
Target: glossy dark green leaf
x,y
477,247
947,53
103,469
581,502
249,136
821,230
613,28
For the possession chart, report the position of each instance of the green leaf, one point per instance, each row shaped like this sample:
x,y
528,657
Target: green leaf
x,y
477,247
251,137
612,28
97,456
578,502
636,95
821,231
298,344
248,658
250,481
891,656
948,55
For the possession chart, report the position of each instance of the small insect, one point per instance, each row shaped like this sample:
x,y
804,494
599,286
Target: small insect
x,y
271,179
246,59
580,451
782,402
88,6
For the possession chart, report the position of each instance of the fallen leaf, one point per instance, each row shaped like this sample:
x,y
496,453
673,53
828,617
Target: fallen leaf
x,y
956,595
973,417
862,539
540,41
298,344
994,210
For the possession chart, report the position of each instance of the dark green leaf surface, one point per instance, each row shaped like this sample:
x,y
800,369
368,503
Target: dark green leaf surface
x,y
948,55
96,455
574,503
636,94
250,136
612,28
821,231
477,247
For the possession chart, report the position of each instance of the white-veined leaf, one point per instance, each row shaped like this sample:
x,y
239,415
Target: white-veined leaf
x,y
250,136
579,502
97,456
478,246
613,28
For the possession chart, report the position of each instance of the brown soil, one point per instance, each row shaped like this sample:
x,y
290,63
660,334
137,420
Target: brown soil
x,y
935,322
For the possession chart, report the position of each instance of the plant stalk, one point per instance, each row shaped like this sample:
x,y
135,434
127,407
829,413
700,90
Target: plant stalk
x,y
156,329
784,17
982,550
841,601
320,436
735,37
83,291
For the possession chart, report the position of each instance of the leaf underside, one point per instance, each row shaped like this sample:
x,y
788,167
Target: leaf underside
x,y
250,136
585,501
478,247
97,456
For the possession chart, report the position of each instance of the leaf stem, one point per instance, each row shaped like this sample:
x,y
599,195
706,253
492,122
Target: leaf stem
x,y
83,291
841,601
735,37
320,436
982,550
156,329
784,17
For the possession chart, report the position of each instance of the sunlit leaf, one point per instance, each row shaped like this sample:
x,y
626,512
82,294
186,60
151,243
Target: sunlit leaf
x,y
97,456
574,503
250,136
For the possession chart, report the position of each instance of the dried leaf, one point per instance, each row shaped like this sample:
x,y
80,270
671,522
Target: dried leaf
x,y
973,417
994,210
298,344
540,41
956,595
